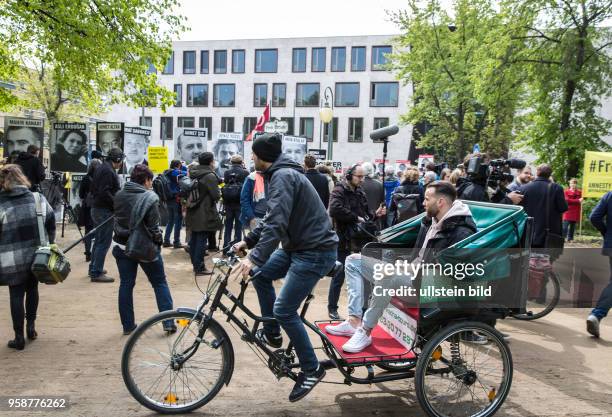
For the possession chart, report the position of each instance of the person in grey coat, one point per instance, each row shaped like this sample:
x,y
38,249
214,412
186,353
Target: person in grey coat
x,y
19,239
297,219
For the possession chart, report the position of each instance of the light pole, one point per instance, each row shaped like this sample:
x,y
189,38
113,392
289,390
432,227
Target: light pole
x,y
327,115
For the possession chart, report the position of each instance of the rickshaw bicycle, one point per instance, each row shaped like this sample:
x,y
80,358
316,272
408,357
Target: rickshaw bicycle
x,y
179,372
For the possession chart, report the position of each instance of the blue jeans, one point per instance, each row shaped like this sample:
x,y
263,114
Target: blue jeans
x,y
198,243
103,238
301,270
154,271
568,230
232,221
604,303
175,221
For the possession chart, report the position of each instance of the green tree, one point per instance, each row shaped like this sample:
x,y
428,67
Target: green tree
x,y
462,69
569,68
98,49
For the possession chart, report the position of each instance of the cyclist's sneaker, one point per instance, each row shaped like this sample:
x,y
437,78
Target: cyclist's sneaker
x,y
333,314
473,337
343,329
274,340
358,342
593,325
305,383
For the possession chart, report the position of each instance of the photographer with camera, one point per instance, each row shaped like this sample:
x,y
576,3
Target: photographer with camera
x,y
483,173
348,208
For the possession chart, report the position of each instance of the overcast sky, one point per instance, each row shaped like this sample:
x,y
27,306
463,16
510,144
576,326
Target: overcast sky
x,y
255,19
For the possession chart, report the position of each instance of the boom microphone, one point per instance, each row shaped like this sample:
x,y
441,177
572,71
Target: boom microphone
x,y
384,132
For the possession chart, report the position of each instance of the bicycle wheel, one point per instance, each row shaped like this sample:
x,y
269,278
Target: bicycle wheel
x,y
456,378
153,372
545,302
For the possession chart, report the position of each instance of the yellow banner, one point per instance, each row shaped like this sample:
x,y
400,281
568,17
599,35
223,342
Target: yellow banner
x,y
597,174
158,159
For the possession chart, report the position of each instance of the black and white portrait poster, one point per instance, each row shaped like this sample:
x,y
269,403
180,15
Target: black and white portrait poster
x,y
189,143
226,146
136,143
109,136
75,185
19,133
68,147
295,148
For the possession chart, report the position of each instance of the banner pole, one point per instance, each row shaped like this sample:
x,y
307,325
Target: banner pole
x,y
580,228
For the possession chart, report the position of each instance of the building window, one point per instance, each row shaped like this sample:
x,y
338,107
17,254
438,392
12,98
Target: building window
x,y
380,122
238,61
307,95
151,69
379,59
279,95
338,59
189,62
169,68
299,60
178,95
206,123
347,95
260,96
358,58
355,130
220,62
223,95
227,124
204,62
197,95
145,121
307,127
384,94
266,60
249,124
318,60
290,126
185,122
326,130
165,128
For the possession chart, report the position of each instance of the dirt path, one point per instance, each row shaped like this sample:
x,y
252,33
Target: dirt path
x,y
558,370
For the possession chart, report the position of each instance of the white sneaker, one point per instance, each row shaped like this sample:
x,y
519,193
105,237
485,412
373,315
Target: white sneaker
x,y
343,329
593,325
358,342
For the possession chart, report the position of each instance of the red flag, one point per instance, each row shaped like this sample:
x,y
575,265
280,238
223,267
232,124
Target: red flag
x,y
261,122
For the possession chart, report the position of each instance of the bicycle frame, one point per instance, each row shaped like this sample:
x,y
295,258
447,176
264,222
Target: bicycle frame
x,y
281,361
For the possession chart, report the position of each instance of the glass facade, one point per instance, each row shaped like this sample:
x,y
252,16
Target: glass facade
x,y
355,129
380,122
307,127
379,59
318,60
204,58
307,95
266,60
189,62
185,122
238,61
384,94
220,62
166,128
299,60
358,58
279,95
224,95
338,59
227,124
260,95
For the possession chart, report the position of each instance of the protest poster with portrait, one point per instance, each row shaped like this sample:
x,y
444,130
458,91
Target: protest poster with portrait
x,y
109,135
136,143
68,147
295,148
75,184
227,145
189,143
20,132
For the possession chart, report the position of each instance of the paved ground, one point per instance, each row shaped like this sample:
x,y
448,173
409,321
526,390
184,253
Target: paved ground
x,y
558,370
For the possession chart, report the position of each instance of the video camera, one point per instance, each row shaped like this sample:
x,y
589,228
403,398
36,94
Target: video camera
x,y
493,172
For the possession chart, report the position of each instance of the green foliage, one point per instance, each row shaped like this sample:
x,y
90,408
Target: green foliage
x,y
569,70
466,84
98,49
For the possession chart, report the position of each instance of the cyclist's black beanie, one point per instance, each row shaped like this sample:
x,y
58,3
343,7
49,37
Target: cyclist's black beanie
x,y
268,147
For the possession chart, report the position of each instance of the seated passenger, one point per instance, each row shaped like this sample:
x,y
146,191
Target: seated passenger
x,y
447,222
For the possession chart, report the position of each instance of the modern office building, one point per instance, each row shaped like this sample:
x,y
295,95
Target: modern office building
x,y
224,85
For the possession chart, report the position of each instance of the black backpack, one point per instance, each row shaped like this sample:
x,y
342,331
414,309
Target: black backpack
x,y
232,189
407,206
161,186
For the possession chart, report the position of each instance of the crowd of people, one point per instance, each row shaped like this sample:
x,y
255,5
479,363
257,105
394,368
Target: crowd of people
x,y
297,219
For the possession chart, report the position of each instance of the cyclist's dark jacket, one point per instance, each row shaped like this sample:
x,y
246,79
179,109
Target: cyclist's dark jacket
x,y
296,216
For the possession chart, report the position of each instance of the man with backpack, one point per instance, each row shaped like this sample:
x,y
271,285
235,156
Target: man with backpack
x,y
202,215
166,186
233,180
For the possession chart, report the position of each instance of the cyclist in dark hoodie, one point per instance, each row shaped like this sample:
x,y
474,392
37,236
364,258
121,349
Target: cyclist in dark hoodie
x,y
297,219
